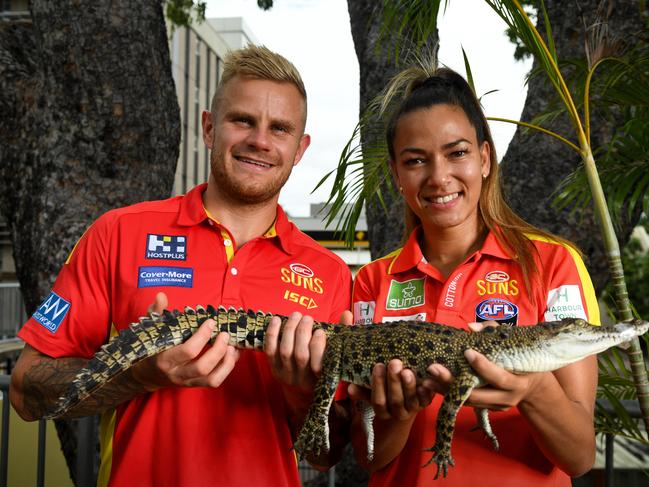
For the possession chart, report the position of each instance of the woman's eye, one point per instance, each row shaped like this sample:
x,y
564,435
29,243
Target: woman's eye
x,y
414,161
459,153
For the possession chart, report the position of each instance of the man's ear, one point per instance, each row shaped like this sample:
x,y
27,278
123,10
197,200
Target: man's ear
x,y
305,141
208,128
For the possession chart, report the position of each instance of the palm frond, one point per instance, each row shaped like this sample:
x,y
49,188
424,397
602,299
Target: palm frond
x,y
362,175
415,20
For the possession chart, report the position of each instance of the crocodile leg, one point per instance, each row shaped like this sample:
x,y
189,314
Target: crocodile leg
x,y
482,415
314,434
367,415
459,392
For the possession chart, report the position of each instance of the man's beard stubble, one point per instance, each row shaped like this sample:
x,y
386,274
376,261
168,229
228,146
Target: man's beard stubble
x,y
238,191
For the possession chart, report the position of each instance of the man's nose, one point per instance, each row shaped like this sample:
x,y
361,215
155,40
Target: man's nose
x,y
259,138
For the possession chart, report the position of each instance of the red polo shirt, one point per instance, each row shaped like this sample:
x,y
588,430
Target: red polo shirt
x,y
488,286
236,434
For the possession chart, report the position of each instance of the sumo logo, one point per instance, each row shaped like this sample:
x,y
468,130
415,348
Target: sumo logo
x,y
496,309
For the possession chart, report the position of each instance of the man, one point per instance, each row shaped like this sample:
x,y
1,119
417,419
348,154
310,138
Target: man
x,y
190,416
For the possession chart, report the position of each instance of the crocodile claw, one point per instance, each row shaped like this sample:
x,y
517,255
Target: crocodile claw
x,y
313,437
442,459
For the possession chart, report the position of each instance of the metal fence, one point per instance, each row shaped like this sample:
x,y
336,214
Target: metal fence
x,y
12,309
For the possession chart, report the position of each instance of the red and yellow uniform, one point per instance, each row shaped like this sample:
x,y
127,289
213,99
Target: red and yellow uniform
x,y
236,434
489,285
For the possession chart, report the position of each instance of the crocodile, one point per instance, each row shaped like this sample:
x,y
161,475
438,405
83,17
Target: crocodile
x,y
352,351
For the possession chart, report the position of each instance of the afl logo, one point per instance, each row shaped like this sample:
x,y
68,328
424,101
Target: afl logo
x,y
497,276
498,310
301,270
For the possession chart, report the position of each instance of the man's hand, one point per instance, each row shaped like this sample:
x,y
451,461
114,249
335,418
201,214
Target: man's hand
x,y
296,357
191,364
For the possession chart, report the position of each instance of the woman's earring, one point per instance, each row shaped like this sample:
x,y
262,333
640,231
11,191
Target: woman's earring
x,y
484,176
401,189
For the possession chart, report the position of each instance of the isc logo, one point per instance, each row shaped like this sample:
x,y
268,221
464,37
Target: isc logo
x,y
306,301
51,312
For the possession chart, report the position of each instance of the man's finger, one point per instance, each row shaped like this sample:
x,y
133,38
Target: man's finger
x,y
303,334
287,342
347,318
210,359
195,344
271,338
317,347
160,304
224,367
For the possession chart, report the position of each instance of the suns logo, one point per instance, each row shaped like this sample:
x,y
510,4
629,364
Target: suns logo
x,y
497,282
302,276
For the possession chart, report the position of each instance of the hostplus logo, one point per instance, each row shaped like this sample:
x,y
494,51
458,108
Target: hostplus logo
x,y
404,295
167,247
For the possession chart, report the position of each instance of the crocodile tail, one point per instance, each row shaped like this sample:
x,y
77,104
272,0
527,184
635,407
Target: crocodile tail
x,y
247,329
158,332
151,335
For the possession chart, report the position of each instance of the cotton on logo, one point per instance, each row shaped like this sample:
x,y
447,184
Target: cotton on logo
x,y
51,312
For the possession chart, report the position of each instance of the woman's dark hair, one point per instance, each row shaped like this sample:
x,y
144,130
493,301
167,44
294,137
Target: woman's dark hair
x,y
424,88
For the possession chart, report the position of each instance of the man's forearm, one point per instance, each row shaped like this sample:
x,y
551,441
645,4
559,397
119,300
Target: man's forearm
x,y
47,379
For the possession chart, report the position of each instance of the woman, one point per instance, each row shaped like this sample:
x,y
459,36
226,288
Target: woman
x,y
470,259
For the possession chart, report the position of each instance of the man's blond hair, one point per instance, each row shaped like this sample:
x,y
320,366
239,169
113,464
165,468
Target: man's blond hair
x,y
258,62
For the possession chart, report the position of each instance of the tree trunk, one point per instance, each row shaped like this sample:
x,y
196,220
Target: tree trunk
x,y
378,64
89,121
376,68
534,163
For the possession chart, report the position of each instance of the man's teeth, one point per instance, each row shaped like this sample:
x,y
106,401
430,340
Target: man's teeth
x,y
256,163
445,199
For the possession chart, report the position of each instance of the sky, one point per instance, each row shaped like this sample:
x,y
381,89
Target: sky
x,y
315,35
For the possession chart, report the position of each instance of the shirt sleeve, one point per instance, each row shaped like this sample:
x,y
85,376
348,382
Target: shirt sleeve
x,y
363,297
342,295
570,292
74,318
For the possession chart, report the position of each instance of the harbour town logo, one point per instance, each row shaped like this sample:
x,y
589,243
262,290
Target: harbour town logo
x,y
404,295
364,312
167,247
51,312
565,302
